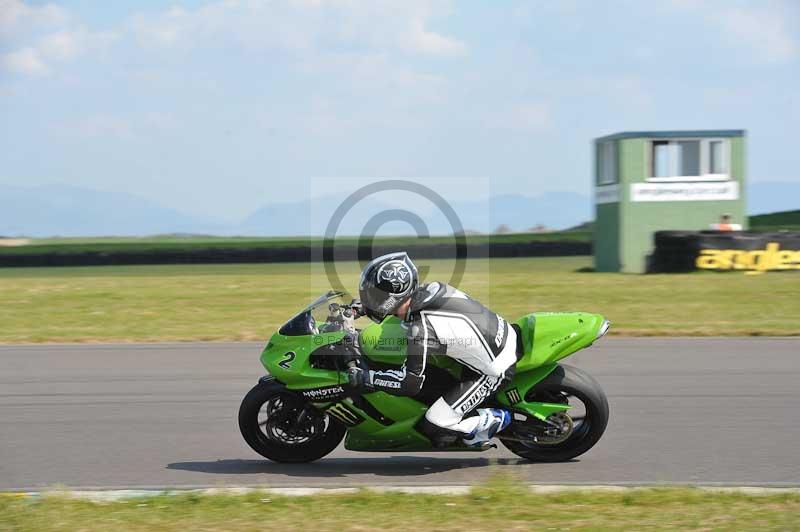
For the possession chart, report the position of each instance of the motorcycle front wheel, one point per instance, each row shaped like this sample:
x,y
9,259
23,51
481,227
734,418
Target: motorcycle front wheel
x,y
570,433
281,426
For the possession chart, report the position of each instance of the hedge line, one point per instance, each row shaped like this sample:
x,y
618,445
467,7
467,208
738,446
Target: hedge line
x,y
288,254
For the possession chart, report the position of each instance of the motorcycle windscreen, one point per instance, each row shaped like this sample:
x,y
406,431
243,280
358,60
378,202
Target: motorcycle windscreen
x,y
305,322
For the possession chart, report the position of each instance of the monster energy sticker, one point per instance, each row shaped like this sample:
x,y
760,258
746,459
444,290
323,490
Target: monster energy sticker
x,y
341,412
513,396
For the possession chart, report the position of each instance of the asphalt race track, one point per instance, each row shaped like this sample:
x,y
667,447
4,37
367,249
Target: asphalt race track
x,y
689,411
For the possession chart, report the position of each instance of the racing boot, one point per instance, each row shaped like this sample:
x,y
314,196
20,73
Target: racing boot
x,y
492,421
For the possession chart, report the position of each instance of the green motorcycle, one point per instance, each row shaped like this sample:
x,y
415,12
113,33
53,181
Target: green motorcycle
x,y
304,407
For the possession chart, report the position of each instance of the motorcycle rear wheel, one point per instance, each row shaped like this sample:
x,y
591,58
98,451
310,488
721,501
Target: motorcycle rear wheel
x,y
572,385
268,421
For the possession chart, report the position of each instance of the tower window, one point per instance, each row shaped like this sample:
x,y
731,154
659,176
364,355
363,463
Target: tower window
x,y
689,160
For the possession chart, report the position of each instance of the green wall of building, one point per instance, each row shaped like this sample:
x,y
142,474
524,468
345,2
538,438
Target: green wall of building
x,y
606,238
625,228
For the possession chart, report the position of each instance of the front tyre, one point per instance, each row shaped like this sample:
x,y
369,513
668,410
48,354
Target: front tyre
x,y
577,431
280,425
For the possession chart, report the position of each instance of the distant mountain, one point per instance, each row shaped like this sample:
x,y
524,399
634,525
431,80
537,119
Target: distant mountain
x,y
312,217
773,197
552,209
66,210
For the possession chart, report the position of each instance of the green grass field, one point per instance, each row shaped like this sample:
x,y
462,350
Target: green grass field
x,y
498,506
249,302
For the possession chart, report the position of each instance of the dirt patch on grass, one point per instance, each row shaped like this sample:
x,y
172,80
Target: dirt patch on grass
x,y
13,242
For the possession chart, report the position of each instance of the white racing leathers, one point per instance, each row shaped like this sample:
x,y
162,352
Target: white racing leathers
x,y
444,320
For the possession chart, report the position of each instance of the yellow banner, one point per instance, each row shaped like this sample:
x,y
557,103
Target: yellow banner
x,y
771,258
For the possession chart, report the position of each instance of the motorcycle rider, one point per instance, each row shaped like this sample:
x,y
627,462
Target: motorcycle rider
x,y
439,320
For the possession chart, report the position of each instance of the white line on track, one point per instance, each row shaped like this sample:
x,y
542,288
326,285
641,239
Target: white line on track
x,y
123,494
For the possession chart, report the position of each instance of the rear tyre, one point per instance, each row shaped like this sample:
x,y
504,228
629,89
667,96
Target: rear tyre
x,y
566,384
280,425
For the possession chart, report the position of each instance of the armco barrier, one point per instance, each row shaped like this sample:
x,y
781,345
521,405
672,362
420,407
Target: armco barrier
x,y
683,251
288,254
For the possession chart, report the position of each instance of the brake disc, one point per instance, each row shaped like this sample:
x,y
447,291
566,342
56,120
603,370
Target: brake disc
x,y
559,429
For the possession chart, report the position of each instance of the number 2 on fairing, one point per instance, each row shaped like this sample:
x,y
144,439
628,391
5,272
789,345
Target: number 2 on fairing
x,y
286,363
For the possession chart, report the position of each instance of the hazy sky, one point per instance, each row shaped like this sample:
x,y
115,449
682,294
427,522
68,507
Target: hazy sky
x,y
217,108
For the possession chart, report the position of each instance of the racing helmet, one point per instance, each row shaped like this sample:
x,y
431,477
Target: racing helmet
x,y
385,284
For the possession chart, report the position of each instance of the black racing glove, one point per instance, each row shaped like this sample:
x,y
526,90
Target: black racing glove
x,y
357,308
359,378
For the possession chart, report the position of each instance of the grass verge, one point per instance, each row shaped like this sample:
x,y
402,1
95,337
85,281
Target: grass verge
x,y
249,302
500,505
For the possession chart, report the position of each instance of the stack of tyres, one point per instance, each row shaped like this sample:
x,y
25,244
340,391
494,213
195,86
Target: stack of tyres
x,y
678,251
675,252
